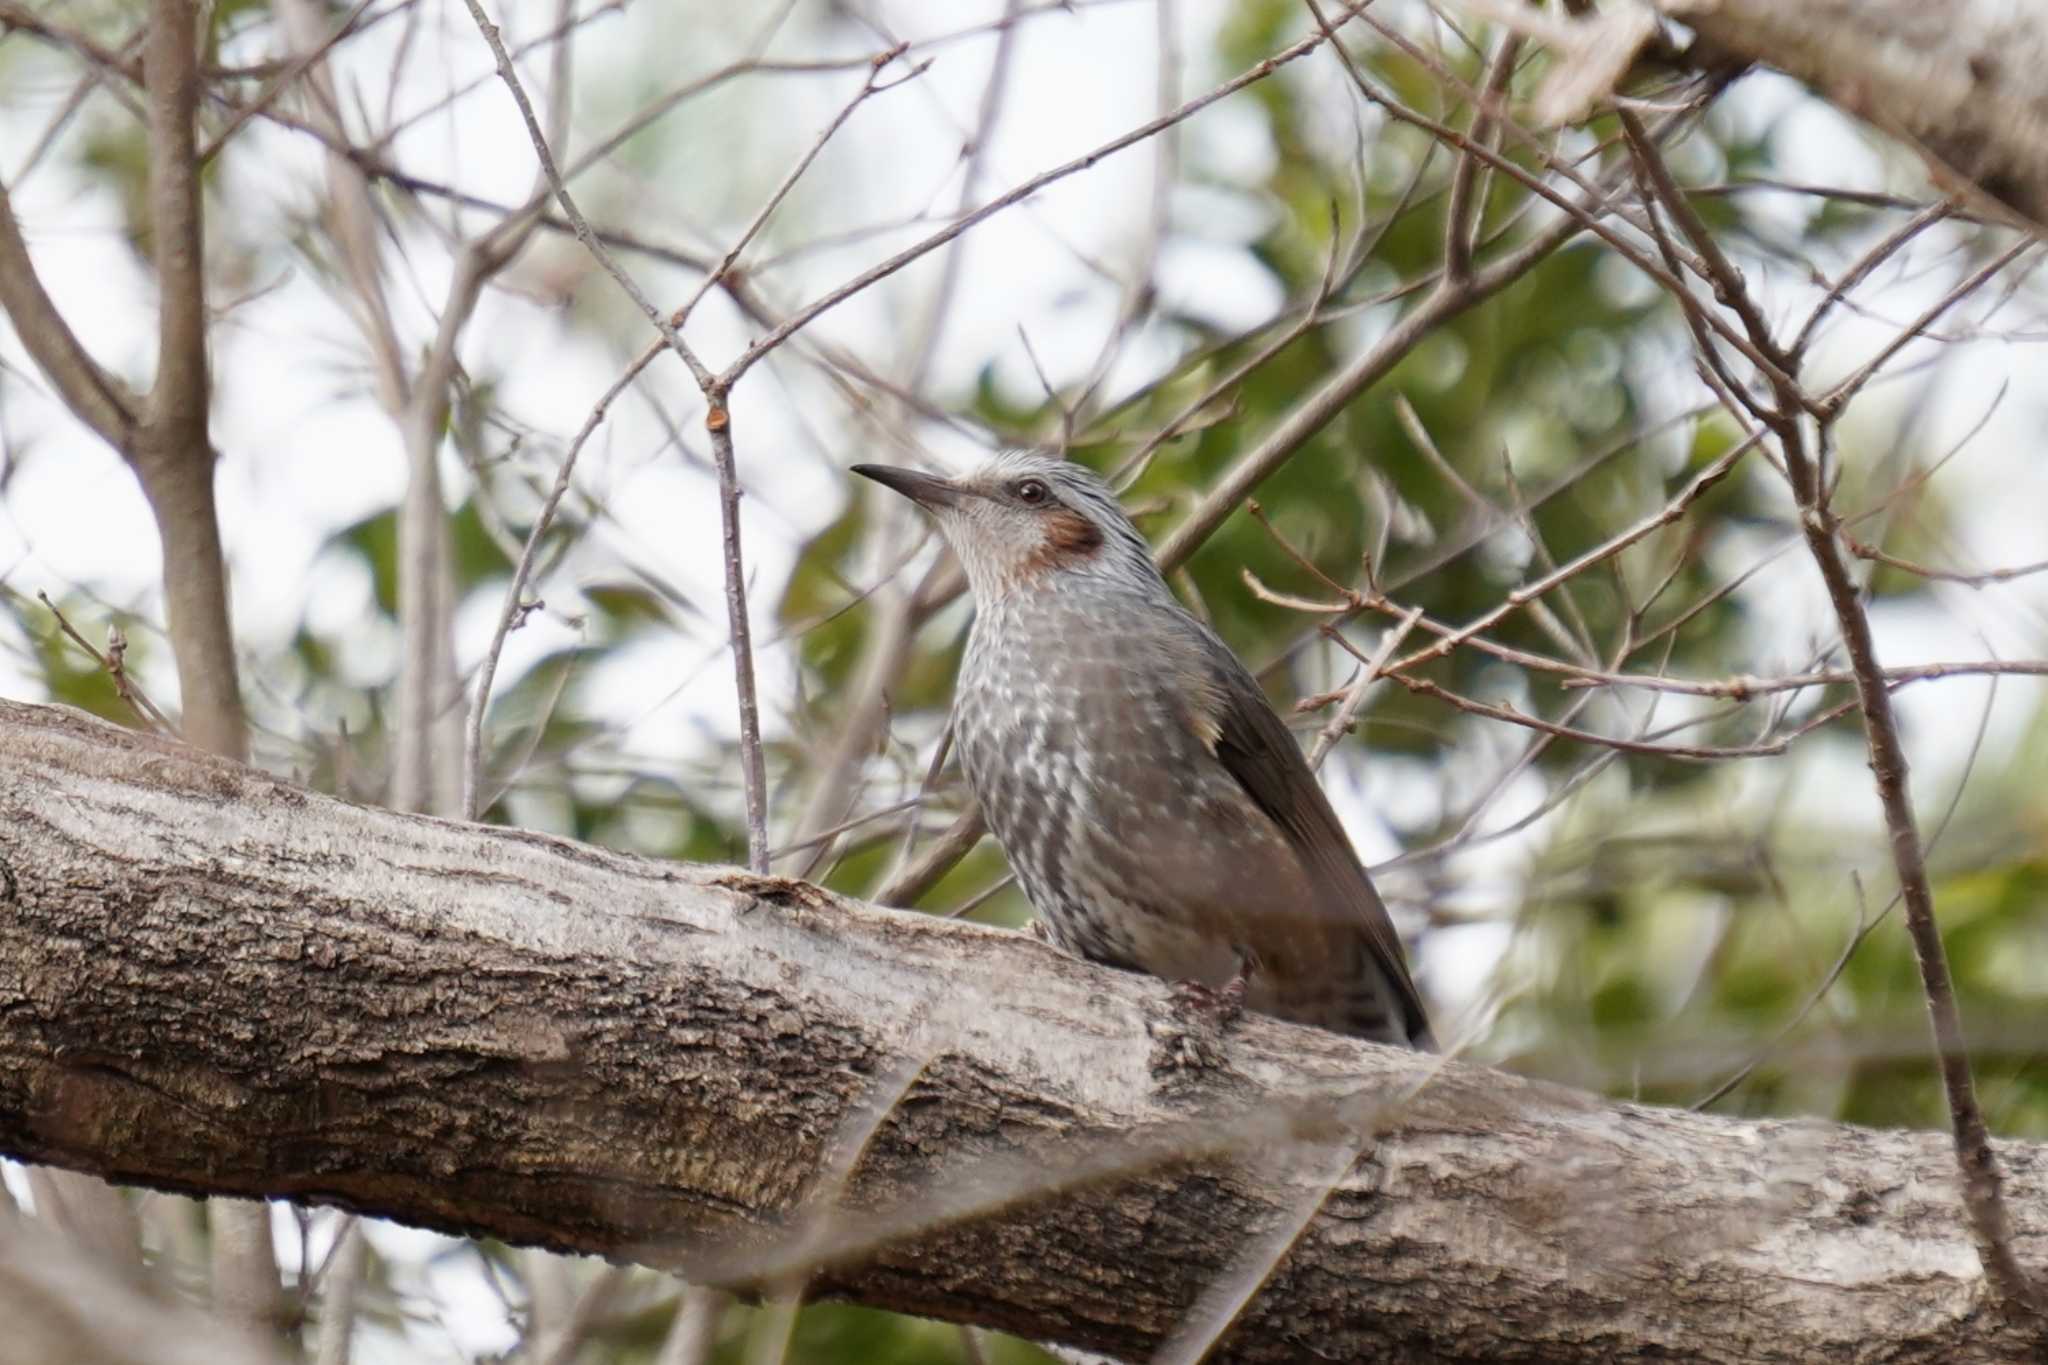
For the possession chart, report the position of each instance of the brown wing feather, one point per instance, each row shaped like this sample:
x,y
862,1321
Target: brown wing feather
x,y
1259,751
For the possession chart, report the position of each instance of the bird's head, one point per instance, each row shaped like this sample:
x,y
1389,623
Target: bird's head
x,y
1026,519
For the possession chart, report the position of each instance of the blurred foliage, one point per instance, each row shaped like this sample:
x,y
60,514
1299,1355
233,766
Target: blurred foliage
x,y
1675,924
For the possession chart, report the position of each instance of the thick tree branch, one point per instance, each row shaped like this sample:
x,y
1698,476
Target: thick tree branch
x,y
211,980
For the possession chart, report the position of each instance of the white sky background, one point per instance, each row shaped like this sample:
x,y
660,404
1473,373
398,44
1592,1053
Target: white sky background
x,y
306,450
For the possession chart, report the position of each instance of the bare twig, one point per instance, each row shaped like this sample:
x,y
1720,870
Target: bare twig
x,y
1979,579
870,87
1354,697
1017,193
1982,1182
1691,752
516,607
717,421
1446,301
751,764
1865,922
1892,243
299,64
113,661
552,172
1838,397
1694,489
1465,208
920,876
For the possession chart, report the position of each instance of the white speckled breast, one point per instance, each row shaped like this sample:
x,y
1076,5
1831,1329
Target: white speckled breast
x,y
1133,843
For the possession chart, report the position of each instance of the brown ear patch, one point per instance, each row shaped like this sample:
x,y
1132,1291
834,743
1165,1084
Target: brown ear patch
x,y
1069,538
1071,535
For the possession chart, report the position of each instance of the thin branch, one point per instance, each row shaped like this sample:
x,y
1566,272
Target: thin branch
x,y
516,608
113,662
1446,301
870,87
1838,397
752,765
1016,194
1354,698
1743,688
1983,1193
910,884
717,421
1865,921
1691,752
885,646
538,139
300,63
1574,676
1892,243
1821,527
15,15
1721,273
1676,508
1465,208
1972,580
1536,185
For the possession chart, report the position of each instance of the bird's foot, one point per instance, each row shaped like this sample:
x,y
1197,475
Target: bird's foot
x,y
1199,1016
1221,1005
1217,1007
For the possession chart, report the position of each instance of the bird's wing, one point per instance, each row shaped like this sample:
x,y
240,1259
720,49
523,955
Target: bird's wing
x,y
1256,747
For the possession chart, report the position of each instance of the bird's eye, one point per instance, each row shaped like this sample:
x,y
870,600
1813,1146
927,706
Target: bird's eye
x,y
1031,492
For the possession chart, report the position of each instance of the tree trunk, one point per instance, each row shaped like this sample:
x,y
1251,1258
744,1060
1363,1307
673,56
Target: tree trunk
x,y
211,980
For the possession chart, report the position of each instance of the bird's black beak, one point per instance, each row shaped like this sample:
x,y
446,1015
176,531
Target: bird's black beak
x,y
926,490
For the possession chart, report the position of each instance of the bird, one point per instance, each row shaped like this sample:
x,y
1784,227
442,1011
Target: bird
x,y
1156,810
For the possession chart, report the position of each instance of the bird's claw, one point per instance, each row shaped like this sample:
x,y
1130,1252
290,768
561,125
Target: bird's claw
x,y
1216,1006
1201,1015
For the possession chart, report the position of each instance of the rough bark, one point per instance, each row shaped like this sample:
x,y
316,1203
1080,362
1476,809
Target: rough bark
x,y
211,980
1960,80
